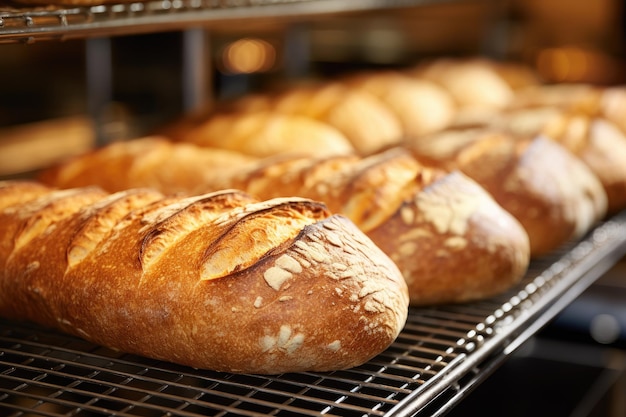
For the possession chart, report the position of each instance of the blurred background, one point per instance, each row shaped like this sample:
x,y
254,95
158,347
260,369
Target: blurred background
x,y
139,79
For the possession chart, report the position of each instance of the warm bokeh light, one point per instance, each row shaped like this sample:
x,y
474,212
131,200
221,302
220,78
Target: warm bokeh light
x,y
248,55
574,64
563,64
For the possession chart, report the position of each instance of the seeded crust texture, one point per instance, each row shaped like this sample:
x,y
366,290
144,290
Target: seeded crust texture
x,y
450,239
218,281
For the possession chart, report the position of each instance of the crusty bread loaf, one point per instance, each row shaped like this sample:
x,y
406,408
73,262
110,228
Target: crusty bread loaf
x,y
595,139
548,189
218,281
150,162
451,241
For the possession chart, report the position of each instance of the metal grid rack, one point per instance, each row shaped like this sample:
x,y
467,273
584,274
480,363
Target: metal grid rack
x,y
125,18
442,353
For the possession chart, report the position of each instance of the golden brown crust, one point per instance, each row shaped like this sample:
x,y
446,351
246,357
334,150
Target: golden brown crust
x,y
382,195
453,242
147,162
480,87
218,281
549,190
595,139
450,239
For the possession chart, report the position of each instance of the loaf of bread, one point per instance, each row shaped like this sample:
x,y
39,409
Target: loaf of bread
x,y
594,101
480,87
265,133
151,162
366,123
30,146
450,239
595,139
553,194
218,281
420,105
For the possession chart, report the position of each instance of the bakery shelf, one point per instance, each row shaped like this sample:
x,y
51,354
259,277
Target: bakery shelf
x,y
440,356
32,24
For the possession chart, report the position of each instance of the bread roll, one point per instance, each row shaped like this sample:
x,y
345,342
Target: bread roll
x,y
553,194
217,281
451,241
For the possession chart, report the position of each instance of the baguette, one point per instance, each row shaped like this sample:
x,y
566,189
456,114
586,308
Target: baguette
x,y
218,281
451,241
553,194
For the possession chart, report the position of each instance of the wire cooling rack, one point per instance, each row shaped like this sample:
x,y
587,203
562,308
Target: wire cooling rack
x,y
440,356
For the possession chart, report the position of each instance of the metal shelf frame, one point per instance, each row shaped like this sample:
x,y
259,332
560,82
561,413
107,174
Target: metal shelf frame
x,y
32,24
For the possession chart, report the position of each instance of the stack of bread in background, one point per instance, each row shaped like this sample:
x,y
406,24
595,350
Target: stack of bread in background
x,y
461,170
